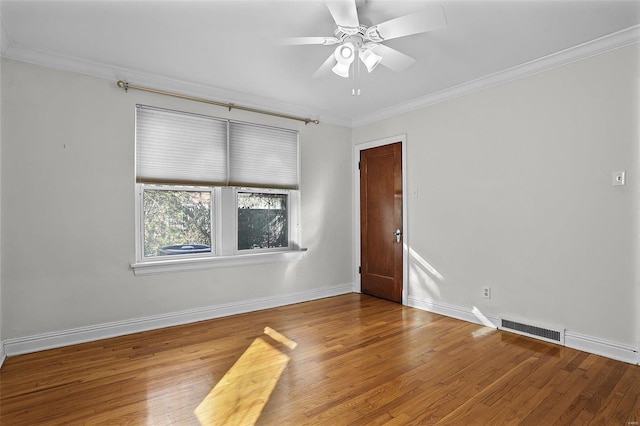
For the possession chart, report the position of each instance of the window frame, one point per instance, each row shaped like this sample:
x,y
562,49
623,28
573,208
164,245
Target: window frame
x,y
224,224
224,211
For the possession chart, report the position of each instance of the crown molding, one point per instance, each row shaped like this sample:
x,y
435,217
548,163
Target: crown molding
x,y
105,71
585,50
579,52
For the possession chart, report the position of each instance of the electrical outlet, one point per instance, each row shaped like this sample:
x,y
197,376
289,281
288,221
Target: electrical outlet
x,y
486,292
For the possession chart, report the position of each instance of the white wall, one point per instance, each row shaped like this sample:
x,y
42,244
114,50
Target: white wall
x,y
68,210
514,192
2,354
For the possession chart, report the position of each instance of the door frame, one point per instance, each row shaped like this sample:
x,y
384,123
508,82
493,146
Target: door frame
x,y
402,138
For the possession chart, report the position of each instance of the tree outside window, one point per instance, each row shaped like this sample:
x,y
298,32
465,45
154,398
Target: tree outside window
x,y
176,219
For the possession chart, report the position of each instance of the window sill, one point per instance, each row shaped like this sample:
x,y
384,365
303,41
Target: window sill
x,y
179,265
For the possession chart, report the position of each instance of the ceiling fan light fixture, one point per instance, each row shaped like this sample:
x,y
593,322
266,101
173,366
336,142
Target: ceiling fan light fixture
x,y
341,69
344,55
370,59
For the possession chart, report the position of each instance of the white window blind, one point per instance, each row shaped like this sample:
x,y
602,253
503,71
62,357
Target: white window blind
x,y
180,148
262,156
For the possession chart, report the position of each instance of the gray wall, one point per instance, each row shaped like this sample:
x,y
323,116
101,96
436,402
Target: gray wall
x,y
514,192
68,209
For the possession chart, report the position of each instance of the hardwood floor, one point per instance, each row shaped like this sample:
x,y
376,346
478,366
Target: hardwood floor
x,y
351,359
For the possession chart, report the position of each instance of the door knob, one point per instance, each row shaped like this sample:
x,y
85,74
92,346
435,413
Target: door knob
x,y
398,234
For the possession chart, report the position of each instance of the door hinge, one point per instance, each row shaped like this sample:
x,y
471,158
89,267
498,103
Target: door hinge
x,y
358,165
360,269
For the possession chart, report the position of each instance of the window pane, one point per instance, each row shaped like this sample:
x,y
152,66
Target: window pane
x,y
262,221
176,222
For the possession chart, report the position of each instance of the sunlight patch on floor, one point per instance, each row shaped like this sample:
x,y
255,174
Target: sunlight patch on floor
x,y
280,338
240,396
481,332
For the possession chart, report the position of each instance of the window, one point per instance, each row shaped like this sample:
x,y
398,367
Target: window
x,y
176,221
210,188
262,221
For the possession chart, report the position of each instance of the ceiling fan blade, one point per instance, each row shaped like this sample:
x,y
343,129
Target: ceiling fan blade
x,y
429,19
392,59
344,13
295,41
326,66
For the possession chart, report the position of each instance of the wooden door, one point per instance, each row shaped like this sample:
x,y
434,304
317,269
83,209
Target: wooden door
x,y
381,221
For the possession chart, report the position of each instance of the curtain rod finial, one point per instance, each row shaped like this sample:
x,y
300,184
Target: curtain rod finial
x,y
123,85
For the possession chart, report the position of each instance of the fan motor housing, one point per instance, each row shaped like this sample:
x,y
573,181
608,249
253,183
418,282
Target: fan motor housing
x,y
343,33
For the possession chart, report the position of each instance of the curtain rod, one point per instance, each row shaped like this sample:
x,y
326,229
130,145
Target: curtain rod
x,y
126,86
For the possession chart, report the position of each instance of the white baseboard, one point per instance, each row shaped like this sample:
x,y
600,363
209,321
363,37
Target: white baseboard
x,y
577,341
3,355
602,347
74,336
457,312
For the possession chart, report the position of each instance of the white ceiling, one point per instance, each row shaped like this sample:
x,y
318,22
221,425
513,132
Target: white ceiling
x,y
232,51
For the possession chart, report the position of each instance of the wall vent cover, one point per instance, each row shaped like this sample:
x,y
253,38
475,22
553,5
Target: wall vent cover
x,y
554,336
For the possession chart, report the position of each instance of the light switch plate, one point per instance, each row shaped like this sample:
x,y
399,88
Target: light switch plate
x,y
619,178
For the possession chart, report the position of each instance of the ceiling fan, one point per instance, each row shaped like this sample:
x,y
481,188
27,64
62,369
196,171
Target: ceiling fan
x,y
356,41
